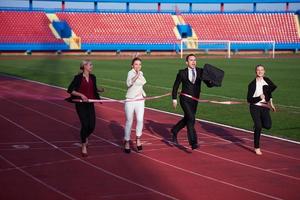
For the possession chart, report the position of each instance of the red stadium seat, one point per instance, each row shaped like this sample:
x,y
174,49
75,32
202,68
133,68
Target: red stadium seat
x,y
25,27
244,27
121,28
33,27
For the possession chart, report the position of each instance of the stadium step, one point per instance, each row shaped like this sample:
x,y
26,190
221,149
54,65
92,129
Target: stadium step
x,y
297,24
53,17
192,42
175,30
181,20
74,42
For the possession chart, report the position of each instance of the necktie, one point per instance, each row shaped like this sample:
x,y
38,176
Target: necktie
x,y
193,76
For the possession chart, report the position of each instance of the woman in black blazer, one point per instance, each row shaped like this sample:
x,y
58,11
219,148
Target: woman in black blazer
x,y
259,97
84,87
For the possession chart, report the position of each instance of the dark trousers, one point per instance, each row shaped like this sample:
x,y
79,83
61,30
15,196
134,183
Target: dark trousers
x,y
262,119
189,108
86,113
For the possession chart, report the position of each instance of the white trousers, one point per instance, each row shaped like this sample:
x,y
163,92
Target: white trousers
x,y
136,107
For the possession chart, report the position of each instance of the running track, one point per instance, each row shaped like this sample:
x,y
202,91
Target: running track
x,y
40,157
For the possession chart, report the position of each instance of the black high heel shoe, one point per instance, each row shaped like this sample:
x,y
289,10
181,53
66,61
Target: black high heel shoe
x,y
139,147
127,147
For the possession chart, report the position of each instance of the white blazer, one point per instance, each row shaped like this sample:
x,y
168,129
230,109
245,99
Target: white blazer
x,y
135,89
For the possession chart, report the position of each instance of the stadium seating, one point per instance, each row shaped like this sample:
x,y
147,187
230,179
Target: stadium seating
x,y
25,27
131,31
244,27
121,27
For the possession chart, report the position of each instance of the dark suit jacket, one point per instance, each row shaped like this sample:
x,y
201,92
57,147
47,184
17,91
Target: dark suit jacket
x,y
75,85
252,88
187,86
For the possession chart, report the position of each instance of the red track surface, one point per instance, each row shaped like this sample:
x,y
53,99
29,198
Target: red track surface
x,y
40,157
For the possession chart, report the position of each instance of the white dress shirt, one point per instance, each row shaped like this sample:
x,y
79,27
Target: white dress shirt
x,y
259,90
135,89
190,71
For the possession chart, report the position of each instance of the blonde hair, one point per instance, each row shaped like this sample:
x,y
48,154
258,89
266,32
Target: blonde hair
x,y
83,63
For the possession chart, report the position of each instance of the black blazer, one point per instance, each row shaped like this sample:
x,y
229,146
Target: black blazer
x,y
75,85
187,86
252,88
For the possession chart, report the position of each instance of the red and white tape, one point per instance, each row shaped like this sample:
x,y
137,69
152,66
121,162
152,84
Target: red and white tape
x,y
157,97
210,101
121,101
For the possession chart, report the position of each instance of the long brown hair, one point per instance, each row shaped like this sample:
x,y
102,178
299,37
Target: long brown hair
x,y
135,59
257,66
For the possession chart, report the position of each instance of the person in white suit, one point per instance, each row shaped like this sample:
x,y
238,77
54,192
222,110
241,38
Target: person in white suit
x,y
135,92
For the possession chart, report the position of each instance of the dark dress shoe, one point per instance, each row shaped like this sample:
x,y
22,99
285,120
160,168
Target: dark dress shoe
x,y
195,146
174,137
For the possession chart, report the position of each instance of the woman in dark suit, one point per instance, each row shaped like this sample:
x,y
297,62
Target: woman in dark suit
x,y
84,87
259,97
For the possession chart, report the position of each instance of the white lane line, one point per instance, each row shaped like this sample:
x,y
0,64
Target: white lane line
x,y
198,174
87,163
219,157
176,167
233,161
74,159
34,178
209,122
265,150
37,165
268,136
206,94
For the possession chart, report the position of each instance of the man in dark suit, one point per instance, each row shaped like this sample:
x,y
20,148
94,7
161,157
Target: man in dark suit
x,y
190,78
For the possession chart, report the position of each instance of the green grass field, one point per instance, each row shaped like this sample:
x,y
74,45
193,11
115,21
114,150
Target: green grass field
x,y
160,75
